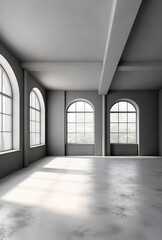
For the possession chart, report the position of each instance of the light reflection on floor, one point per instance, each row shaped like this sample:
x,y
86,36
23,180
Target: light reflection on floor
x,y
70,198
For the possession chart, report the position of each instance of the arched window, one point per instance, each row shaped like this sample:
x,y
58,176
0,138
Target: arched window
x,y
9,108
37,118
6,112
80,123
123,123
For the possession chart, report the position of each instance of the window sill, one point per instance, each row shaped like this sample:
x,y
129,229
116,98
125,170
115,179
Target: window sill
x,y
80,144
124,143
40,145
9,151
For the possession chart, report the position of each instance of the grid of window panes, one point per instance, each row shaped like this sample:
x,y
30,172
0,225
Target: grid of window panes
x,y
80,123
123,123
35,120
6,119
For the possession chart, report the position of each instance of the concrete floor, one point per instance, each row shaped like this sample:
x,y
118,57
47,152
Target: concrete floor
x,y
86,198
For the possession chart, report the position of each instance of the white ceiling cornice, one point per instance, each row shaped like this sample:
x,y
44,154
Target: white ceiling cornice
x,y
140,66
49,66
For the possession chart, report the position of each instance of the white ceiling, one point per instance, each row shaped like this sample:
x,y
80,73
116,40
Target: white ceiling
x,y
73,75
145,39
77,44
137,80
58,31
55,30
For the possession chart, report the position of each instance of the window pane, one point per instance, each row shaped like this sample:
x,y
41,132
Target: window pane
x,y
0,79
122,127
37,105
132,127
88,107
32,139
122,138
80,106
6,85
80,127
114,138
7,141
1,143
113,117
89,127
80,138
37,138
88,117
37,116
32,114
71,138
37,125
81,123
122,106
7,123
71,127
114,127
1,116
122,117
131,108
131,138
0,103
71,117
79,117
125,120
115,107
32,125
71,108
89,138
7,105
131,117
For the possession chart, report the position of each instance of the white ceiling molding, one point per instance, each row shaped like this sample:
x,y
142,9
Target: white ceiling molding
x,y
140,66
51,66
67,75
123,14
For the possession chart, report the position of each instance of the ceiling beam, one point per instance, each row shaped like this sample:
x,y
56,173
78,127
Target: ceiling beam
x,y
50,66
140,66
123,14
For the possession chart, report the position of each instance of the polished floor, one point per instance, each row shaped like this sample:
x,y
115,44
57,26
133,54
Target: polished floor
x,y
88,198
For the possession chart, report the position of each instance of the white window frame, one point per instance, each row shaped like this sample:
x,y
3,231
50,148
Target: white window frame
x,y
127,112
75,122
41,112
3,114
15,105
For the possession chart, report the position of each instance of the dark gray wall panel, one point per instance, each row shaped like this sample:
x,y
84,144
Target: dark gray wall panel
x,y
55,123
160,122
147,102
79,150
36,153
123,149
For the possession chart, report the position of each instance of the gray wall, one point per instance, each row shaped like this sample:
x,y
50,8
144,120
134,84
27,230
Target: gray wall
x,y
80,150
56,127
11,162
123,149
160,122
147,102
55,123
